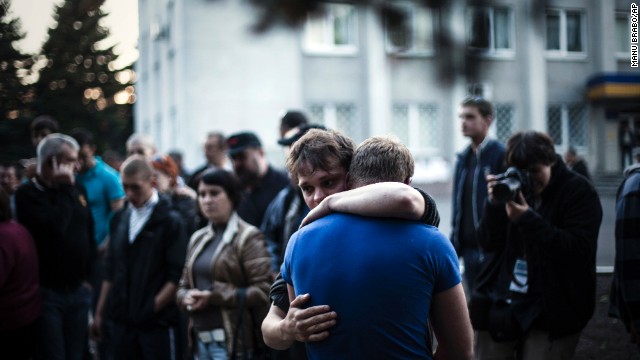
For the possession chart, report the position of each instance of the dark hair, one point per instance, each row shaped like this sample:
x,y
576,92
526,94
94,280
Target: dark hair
x,y
228,181
321,149
82,136
5,209
222,140
44,122
528,148
484,106
19,169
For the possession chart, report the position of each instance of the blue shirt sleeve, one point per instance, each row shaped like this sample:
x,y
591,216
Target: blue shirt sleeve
x,y
286,268
447,265
113,186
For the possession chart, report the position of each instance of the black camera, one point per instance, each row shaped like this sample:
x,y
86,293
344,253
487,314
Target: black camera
x,y
509,183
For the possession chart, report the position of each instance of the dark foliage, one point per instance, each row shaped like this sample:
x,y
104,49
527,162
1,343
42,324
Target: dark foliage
x,y
14,95
78,80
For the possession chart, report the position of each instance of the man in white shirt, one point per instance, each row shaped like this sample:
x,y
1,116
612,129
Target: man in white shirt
x,y
142,268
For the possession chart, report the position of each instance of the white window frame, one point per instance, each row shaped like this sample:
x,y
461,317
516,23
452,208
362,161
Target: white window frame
x,y
411,8
565,131
563,53
415,138
330,117
324,19
491,50
627,16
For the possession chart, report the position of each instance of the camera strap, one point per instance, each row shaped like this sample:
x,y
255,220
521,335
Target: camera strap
x,y
519,281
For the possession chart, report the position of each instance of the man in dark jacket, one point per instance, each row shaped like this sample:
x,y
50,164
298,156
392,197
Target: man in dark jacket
x,y
483,155
534,297
53,207
625,299
260,181
142,269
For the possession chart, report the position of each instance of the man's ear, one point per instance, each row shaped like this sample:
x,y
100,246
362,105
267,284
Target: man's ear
x,y
408,180
489,120
154,181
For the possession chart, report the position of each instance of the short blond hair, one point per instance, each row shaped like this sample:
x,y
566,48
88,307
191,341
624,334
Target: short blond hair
x,y
380,159
137,165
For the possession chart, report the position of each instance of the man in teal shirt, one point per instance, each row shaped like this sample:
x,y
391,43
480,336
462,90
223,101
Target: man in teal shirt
x,y
105,196
103,185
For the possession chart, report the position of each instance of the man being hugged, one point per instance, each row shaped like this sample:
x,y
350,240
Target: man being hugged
x,y
386,278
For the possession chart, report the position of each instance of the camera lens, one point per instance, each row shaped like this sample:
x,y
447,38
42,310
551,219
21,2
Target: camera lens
x,y
502,192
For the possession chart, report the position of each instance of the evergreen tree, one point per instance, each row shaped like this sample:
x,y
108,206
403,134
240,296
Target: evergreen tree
x,y
14,131
78,83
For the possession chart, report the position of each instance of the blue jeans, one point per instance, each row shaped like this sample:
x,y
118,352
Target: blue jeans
x,y
216,350
65,318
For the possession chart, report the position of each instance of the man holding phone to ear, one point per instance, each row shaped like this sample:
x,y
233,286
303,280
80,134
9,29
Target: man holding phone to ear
x,y
54,209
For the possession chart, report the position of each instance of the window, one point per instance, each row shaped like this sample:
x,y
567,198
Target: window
x,y
504,120
339,116
415,35
332,30
565,33
483,90
490,30
623,38
567,125
418,126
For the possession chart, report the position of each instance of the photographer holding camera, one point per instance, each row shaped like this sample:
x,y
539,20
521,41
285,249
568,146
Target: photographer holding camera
x,y
535,296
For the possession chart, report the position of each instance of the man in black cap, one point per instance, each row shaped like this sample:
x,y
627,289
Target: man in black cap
x,y
290,120
260,181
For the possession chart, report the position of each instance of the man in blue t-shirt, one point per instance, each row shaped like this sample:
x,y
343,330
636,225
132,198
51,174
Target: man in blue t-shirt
x,y
105,196
385,278
104,188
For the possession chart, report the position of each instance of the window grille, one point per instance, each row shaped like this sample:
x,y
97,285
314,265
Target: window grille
x,y
567,124
347,122
316,113
504,121
338,116
429,126
554,123
400,122
577,125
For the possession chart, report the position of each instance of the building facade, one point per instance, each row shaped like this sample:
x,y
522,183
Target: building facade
x,y
563,68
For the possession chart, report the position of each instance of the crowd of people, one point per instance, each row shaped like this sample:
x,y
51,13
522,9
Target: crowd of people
x,y
336,257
